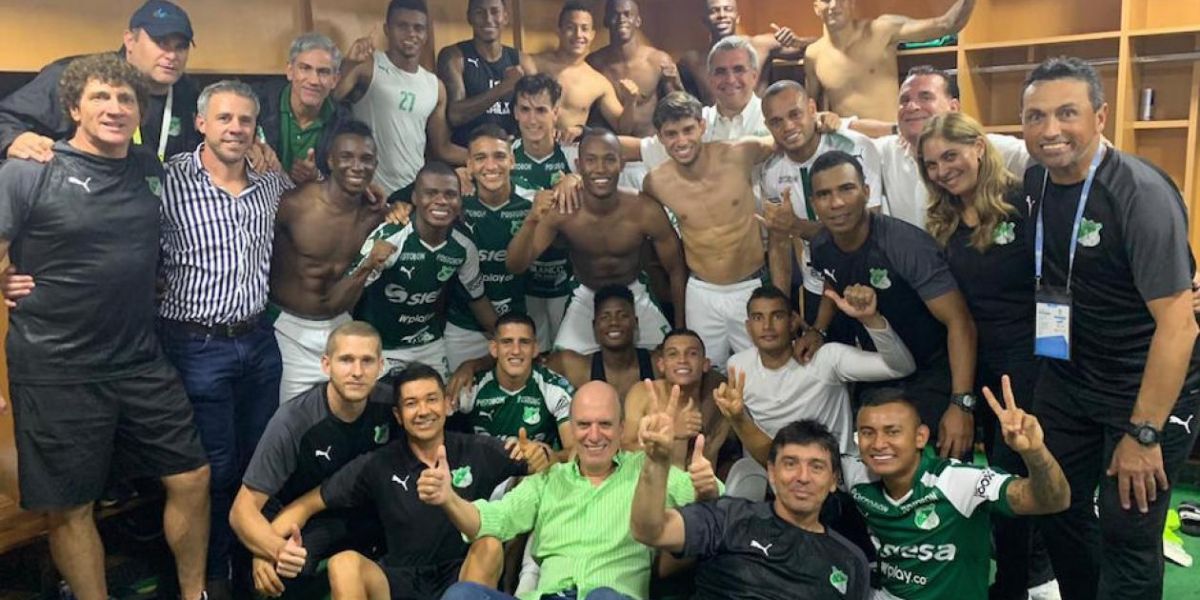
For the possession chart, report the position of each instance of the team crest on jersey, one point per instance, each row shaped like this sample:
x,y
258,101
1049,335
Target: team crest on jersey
x,y
155,185
555,178
879,279
175,127
532,415
461,477
381,434
927,518
446,272
1004,233
514,227
1089,233
839,580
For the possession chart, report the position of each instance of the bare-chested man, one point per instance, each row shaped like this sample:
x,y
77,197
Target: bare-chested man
x,y
319,229
627,56
583,86
852,69
708,186
604,239
682,362
721,17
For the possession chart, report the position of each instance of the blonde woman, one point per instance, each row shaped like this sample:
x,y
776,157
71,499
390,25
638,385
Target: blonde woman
x,y
978,214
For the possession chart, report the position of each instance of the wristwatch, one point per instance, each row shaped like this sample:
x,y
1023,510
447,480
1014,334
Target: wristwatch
x,y
1144,433
964,401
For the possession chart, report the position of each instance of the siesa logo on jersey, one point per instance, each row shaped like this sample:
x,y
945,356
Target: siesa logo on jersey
x,y
382,433
461,477
839,580
1004,233
879,279
446,272
927,518
1089,233
532,415
155,185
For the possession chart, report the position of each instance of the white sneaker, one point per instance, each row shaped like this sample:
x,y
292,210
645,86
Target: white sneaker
x,y
1045,591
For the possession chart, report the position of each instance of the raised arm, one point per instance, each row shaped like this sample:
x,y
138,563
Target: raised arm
x,y
1046,490
906,29
439,133
729,397
345,293
357,69
650,522
535,236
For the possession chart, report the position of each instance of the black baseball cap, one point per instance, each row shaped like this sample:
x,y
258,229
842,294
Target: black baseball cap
x,y
160,18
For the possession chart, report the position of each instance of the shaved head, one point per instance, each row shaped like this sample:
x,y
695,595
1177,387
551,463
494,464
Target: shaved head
x,y
595,393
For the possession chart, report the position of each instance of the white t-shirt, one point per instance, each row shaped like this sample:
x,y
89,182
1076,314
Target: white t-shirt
x,y
749,122
780,172
397,106
776,397
906,196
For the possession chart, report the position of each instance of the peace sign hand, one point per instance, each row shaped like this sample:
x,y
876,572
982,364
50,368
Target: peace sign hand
x,y
1022,432
730,396
656,431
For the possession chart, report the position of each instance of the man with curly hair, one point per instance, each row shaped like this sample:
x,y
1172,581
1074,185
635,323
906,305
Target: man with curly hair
x,y
91,390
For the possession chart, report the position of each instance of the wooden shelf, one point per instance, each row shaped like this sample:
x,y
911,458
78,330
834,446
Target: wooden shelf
x,y
1007,129
1164,124
1043,41
1153,31
926,51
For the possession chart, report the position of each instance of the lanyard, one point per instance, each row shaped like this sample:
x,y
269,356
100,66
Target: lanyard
x,y
166,126
1083,198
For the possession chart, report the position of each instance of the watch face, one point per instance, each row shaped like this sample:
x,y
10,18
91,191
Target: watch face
x,y
1146,435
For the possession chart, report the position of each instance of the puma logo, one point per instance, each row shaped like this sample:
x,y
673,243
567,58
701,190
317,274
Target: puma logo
x,y
81,183
402,482
325,453
754,544
408,271
474,61
829,275
487,414
1186,425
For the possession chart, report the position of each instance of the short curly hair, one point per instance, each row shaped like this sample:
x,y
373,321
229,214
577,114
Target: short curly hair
x,y
107,68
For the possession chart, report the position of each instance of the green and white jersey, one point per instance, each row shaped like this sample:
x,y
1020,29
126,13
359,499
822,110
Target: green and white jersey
x,y
539,407
550,274
935,542
491,228
401,299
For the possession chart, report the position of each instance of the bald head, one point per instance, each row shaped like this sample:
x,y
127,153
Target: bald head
x,y
597,397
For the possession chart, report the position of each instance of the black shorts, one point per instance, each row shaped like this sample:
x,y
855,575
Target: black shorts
x,y
70,437
419,583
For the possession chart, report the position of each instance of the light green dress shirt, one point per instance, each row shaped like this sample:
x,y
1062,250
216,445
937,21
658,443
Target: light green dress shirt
x,y
582,531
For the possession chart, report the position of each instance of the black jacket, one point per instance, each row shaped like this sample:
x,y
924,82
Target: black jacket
x,y
35,107
270,116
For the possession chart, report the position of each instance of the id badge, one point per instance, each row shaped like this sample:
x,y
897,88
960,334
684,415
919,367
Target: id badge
x,y
1052,336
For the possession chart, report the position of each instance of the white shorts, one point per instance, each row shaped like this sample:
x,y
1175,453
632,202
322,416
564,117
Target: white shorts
x,y
301,345
633,174
463,345
576,331
547,315
432,354
718,314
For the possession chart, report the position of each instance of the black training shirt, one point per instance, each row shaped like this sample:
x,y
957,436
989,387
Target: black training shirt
x,y
747,552
419,534
906,267
86,228
998,282
305,443
1133,247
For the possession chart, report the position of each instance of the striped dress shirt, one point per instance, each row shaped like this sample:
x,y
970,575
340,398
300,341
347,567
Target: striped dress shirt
x,y
216,248
582,530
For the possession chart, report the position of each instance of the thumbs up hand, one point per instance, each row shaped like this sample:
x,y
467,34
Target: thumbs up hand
x,y
704,480
536,454
304,169
433,487
292,555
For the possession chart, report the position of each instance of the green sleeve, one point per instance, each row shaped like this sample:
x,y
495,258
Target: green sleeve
x,y
516,512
